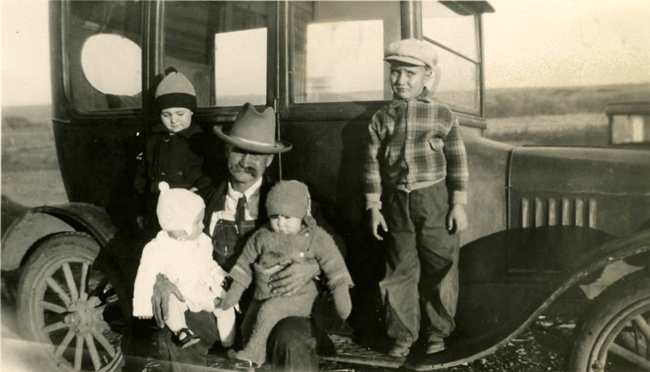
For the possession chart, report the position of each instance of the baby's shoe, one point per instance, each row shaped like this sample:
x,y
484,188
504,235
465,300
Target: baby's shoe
x,y
186,338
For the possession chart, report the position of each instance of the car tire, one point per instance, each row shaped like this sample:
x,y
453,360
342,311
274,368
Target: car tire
x,y
71,307
615,335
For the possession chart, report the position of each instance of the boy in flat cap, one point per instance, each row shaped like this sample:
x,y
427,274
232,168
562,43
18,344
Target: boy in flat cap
x,y
415,182
174,149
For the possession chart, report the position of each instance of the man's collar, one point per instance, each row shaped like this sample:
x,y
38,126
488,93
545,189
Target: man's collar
x,y
423,97
248,193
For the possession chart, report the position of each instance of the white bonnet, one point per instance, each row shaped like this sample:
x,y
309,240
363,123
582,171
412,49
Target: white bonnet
x,y
177,208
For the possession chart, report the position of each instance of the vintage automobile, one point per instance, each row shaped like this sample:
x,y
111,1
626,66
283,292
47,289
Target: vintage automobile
x,y
551,229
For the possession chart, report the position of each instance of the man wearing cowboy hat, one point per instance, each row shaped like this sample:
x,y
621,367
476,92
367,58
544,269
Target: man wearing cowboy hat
x,y
234,209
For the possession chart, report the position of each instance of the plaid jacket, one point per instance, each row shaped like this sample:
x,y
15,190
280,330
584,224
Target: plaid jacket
x,y
412,143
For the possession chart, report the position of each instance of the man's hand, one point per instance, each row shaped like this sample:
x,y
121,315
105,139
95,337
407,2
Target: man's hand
x,y
289,280
233,295
376,220
456,219
160,298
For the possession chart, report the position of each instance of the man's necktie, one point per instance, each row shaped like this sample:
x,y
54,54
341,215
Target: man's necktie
x,y
240,213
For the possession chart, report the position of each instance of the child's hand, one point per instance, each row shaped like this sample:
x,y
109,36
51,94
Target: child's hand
x,y
232,296
342,301
376,220
456,219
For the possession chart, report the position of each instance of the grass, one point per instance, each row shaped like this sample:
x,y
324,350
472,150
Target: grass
x,y
551,130
501,103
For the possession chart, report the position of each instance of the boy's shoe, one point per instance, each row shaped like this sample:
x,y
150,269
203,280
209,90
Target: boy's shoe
x,y
242,363
186,338
435,347
400,350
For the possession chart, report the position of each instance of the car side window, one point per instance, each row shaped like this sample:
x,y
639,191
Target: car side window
x,y
221,47
96,33
453,34
337,50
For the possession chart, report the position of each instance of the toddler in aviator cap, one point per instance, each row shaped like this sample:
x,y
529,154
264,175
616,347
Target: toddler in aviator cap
x,y
183,253
290,236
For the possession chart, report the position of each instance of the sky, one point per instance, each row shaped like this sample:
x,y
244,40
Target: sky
x,y
528,43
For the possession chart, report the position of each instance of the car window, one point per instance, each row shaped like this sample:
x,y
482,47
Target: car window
x,y
337,50
454,37
221,47
97,33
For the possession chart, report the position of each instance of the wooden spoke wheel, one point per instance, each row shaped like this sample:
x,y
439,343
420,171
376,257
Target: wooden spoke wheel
x,y
616,335
70,307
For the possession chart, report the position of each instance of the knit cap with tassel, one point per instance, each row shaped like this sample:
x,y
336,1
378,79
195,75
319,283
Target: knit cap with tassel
x,y
291,199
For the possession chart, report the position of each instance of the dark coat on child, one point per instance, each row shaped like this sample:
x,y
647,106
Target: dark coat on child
x,y
176,158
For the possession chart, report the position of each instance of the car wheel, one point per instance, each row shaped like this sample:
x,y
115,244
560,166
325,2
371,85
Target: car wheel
x,y
616,334
70,307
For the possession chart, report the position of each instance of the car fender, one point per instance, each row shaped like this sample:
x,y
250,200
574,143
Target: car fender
x,y
486,322
634,249
42,221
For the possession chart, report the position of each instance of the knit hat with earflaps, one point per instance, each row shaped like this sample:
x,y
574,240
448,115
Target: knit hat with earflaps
x,y
177,208
290,198
175,91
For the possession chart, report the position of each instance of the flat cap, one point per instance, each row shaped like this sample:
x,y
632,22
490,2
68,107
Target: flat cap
x,y
412,51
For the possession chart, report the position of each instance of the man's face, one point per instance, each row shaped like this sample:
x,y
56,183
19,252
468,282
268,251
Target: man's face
x,y
175,119
246,167
407,81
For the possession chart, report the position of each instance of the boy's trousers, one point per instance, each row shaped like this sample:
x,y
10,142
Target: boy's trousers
x,y
421,263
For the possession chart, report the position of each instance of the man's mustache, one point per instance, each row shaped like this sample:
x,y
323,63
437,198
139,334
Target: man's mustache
x,y
238,168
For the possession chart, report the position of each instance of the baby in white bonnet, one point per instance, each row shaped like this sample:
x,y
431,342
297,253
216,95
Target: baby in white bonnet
x,y
183,253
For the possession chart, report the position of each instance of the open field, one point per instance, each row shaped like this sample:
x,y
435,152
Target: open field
x,y
30,170
502,103
550,130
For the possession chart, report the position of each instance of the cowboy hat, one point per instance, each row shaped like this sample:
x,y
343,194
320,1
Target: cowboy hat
x,y
253,131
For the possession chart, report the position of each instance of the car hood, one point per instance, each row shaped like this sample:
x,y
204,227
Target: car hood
x,y
602,188
599,170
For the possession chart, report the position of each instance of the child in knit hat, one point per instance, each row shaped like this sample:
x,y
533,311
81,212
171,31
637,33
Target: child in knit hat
x,y
183,253
290,235
174,148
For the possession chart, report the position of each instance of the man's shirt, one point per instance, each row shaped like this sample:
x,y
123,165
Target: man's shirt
x,y
230,208
415,143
